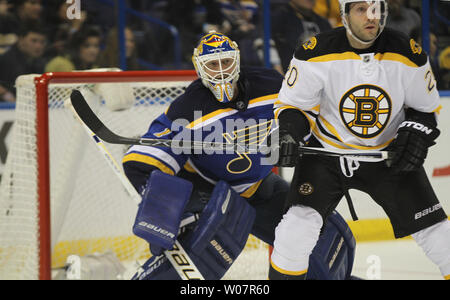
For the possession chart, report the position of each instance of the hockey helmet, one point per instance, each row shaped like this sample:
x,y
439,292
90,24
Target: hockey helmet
x,y
379,11
217,62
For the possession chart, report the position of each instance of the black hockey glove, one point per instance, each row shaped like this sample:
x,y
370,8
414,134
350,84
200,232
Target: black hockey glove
x,y
294,126
411,145
289,150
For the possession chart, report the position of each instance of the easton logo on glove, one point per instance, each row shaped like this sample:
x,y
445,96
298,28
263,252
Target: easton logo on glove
x,y
411,145
417,126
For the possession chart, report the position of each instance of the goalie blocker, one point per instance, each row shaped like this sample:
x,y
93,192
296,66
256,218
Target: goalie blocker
x,y
215,241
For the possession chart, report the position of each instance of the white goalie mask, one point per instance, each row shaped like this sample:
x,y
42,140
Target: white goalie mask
x,y
217,62
377,10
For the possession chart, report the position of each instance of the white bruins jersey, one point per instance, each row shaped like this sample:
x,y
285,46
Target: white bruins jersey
x,y
356,99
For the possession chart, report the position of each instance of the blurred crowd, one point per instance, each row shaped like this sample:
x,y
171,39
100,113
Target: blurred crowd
x,y
38,36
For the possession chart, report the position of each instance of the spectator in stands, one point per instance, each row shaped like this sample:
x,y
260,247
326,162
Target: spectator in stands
x,y
25,57
329,9
433,54
402,18
7,27
444,64
81,54
189,17
14,13
241,20
242,17
61,28
109,58
293,24
28,10
442,28
100,14
434,62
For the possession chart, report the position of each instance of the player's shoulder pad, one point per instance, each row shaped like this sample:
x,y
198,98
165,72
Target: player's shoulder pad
x,y
261,73
262,81
327,42
394,41
195,98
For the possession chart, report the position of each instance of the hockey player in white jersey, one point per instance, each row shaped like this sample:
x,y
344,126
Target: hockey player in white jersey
x,y
360,86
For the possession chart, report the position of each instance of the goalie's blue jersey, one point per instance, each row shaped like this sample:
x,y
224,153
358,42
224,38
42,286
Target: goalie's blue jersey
x,y
197,115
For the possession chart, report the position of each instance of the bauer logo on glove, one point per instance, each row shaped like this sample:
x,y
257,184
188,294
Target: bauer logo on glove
x,y
163,205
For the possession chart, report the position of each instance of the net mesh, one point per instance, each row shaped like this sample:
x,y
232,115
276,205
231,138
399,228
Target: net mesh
x,y
90,210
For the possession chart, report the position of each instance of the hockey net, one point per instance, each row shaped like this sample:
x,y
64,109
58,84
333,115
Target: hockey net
x,y
58,196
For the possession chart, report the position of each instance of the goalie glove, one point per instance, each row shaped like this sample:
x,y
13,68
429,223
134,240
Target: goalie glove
x,y
159,215
411,145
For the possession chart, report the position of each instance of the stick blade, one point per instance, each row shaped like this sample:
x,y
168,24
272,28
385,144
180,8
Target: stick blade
x,y
91,120
85,112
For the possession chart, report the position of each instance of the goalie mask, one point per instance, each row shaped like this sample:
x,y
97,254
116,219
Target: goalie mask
x,y
216,60
377,10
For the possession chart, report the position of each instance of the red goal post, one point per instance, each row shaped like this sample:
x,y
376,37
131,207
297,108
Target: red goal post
x,y
41,93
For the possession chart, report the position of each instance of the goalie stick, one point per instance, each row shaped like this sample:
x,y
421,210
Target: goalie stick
x,y
177,256
90,119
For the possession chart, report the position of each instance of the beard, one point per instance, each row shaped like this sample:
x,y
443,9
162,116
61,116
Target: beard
x,y
364,36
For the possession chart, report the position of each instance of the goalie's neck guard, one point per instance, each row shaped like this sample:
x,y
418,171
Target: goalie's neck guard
x,y
217,62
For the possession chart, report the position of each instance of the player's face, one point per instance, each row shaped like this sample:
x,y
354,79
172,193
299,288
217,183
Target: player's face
x,y
220,67
363,20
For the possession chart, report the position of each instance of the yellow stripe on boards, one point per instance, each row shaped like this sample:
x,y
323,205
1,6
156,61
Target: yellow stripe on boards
x,y
373,230
123,246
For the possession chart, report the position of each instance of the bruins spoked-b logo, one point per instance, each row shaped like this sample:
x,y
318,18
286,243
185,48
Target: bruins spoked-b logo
x,y
365,110
306,189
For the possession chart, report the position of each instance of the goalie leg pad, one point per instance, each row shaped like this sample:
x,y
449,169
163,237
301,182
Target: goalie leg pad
x,y
221,233
333,256
159,214
216,241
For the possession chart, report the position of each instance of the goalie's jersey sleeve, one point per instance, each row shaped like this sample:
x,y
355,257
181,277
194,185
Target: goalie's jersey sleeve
x,y
356,98
197,115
